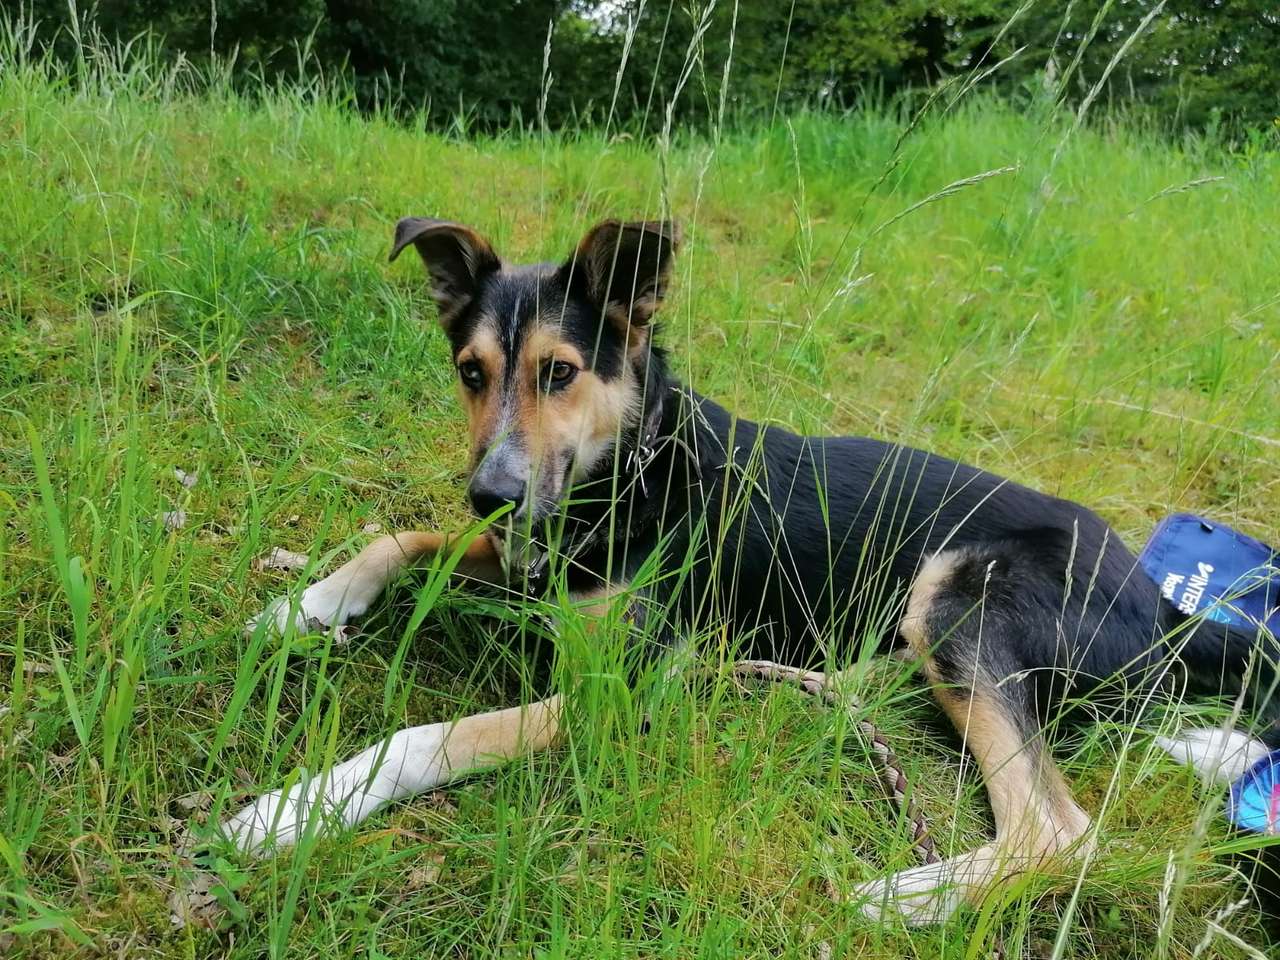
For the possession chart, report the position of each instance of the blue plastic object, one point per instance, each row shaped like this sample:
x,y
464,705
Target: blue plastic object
x,y
1209,569
1254,802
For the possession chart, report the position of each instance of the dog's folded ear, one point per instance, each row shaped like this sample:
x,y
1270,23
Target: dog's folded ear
x,y
456,257
624,268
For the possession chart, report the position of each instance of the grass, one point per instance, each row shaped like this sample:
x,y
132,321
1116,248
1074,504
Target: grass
x,y
192,279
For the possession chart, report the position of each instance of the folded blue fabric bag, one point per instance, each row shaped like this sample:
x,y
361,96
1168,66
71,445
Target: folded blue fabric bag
x,y
1207,568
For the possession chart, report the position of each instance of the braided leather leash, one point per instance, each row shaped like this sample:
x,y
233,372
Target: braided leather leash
x,y
889,769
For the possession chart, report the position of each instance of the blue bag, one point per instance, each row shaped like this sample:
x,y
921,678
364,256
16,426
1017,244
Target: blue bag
x,y
1254,801
1210,569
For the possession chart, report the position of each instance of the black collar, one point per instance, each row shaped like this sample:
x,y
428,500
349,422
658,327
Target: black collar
x,y
633,488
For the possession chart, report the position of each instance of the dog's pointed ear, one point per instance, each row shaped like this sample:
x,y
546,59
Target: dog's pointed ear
x,y
456,258
625,268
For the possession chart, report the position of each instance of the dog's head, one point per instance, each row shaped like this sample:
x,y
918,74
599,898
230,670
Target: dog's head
x,y
549,357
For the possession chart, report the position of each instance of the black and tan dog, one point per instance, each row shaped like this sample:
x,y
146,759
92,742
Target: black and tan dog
x,y
1015,603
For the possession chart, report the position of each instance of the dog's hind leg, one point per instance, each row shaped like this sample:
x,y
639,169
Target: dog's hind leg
x,y
407,763
350,590
966,642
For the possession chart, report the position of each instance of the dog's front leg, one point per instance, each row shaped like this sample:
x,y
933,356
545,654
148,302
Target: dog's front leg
x,y
408,762
411,760
350,590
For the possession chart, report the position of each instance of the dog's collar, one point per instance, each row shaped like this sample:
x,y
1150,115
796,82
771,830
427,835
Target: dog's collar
x,y
643,453
649,443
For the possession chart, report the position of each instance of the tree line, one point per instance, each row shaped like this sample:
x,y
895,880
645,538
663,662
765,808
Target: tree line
x,y
637,65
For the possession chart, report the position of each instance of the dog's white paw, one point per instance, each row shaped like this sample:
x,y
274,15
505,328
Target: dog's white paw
x,y
276,818
1216,754
321,605
406,763
916,897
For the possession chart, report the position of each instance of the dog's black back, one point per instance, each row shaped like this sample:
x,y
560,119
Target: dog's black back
x,y
805,544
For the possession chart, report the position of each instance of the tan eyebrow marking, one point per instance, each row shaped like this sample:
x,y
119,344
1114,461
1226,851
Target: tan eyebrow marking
x,y
483,349
545,344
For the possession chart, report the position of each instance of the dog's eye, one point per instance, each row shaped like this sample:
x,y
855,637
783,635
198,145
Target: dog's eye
x,y
558,373
471,374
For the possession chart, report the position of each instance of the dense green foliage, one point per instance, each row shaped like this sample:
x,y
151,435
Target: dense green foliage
x,y
1197,63
445,55
1194,64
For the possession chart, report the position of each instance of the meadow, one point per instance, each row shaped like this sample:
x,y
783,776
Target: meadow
x,y
204,356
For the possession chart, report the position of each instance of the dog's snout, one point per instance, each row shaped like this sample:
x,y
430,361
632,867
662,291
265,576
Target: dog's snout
x,y
490,496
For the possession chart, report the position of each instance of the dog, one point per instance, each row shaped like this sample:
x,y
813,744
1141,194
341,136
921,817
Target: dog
x,y
591,460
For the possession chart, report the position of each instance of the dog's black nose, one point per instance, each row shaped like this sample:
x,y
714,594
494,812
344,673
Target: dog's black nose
x,y
488,497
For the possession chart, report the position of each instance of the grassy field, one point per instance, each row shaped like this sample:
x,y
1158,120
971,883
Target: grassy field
x,y
189,280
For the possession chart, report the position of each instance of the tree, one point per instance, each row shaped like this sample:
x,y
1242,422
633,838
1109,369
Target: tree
x,y
481,55
1198,60
785,52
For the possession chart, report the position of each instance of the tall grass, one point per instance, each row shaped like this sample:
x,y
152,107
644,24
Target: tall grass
x,y
194,279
